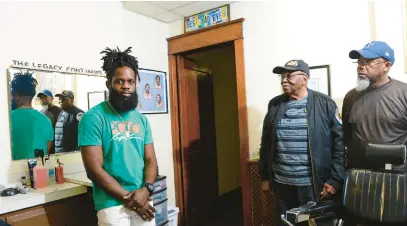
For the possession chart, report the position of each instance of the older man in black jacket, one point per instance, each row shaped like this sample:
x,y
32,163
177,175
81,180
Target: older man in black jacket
x,y
66,128
302,151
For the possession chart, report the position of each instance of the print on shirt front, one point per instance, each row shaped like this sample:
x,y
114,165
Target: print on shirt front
x,y
119,131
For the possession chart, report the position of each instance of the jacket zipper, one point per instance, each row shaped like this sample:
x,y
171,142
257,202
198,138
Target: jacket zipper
x,y
312,165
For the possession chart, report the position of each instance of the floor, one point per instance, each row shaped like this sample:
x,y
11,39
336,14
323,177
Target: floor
x,y
230,214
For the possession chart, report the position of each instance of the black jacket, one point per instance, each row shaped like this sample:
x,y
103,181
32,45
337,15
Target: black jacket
x,y
325,140
70,137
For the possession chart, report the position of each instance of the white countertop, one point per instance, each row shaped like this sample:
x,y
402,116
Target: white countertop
x,y
40,196
78,178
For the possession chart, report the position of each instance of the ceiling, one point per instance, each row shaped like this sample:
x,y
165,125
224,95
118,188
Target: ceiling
x,y
170,11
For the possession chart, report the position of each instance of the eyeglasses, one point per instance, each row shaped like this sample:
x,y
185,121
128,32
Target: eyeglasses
x,y
369,62
289,76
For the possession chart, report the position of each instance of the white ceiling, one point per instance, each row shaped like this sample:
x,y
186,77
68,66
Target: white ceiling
x,y
172,10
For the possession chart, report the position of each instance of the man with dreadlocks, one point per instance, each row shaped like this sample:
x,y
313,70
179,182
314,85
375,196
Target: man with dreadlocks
x,y
30,129
117,147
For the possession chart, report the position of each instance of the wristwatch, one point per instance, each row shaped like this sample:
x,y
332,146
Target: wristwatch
x,y
149,187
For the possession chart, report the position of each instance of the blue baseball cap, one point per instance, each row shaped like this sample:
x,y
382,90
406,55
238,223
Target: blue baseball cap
x,y
45,92
374,49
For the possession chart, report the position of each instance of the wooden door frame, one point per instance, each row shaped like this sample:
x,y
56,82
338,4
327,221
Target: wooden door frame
x,y
222,33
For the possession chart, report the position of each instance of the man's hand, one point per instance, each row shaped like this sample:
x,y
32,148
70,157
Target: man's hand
x,y
137,200
146,212
327,191
265,186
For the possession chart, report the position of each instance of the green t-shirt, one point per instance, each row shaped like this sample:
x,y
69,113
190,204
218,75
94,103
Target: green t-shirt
x,y
30,130
123,156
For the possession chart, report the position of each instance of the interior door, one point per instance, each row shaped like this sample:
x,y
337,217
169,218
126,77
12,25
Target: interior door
x,y
198,141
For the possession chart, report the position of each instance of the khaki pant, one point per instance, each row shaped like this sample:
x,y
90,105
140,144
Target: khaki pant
x,y
121,216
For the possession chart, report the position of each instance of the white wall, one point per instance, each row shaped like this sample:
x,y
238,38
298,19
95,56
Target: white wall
x,y
320,32
73,34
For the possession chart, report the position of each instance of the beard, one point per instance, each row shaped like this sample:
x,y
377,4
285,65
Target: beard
x,y
123,103
362,84
44,107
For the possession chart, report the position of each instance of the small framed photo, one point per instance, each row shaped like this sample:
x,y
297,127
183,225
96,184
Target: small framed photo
x,y
152,92
95,98
320,79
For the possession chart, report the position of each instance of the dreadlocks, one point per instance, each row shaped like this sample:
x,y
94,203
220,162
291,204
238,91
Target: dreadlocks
x,y
24,84
115,58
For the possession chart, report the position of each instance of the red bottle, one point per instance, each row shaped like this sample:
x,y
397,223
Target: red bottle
x,y
59,173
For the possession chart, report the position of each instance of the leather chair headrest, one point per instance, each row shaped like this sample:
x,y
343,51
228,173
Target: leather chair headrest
x,y
381,154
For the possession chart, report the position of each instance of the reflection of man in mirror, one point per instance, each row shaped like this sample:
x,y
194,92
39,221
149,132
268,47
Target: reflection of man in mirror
x,y
66,128
159,103
49,109
147,94
30,129
117,148
157,84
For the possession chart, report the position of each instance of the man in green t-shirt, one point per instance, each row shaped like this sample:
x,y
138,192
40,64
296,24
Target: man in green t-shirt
x,y
30,129
117,148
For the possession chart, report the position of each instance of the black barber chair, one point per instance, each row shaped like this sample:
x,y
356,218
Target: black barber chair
x,y
376,195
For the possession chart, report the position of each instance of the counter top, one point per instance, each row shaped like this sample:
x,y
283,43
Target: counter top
x,y
40,196
78,178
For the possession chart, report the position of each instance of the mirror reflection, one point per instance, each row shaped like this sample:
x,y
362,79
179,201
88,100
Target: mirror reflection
x,y
46,107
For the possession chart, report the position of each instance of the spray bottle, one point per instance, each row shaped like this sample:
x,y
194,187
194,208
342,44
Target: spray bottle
x,y
59,172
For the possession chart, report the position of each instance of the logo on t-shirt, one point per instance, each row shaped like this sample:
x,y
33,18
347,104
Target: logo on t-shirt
x,y
121,131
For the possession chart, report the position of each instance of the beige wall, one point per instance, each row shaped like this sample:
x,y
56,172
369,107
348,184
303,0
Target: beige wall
x,y
220,64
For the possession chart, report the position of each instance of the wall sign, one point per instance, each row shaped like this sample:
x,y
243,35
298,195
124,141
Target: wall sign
x,y
206,19
55,68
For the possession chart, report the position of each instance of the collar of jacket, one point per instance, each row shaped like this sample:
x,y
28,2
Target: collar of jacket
x,y
310,104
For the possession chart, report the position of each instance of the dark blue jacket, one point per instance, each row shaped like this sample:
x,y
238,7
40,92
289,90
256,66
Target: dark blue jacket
x,y
325,140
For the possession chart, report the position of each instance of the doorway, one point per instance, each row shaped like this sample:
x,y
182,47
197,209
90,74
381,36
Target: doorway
x,y
207,111
210,136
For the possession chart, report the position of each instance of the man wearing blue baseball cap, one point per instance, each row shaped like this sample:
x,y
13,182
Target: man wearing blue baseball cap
x,y
49,109
375,111
301,151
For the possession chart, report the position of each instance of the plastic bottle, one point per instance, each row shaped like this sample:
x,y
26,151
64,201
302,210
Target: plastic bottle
x,y
40,173
50,171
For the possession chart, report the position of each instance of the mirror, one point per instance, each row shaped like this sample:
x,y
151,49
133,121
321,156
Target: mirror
x,y
62,98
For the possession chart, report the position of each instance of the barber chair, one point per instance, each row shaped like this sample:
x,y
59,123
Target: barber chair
x,y
373,196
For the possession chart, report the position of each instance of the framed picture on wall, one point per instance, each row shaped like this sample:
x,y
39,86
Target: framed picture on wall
x,y
152,92
320,79
95,98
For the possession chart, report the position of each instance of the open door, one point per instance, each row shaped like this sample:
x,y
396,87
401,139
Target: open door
x,y
198,141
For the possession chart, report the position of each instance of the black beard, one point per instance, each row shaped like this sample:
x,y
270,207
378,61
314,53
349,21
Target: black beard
x,y
122,103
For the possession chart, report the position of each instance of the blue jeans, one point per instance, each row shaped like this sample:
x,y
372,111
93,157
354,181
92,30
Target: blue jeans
x,y
289,196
